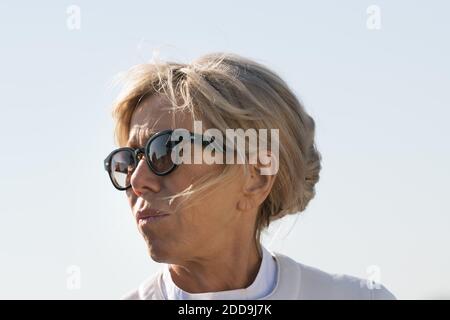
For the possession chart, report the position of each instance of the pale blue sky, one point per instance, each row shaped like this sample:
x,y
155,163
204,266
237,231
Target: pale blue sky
x,y
379,97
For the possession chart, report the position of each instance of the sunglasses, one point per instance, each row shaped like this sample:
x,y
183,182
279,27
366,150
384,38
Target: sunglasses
x,y
121,163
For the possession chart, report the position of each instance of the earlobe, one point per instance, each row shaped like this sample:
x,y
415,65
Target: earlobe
x,y
243,205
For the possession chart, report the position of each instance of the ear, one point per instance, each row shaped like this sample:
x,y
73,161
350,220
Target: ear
x,y
256,187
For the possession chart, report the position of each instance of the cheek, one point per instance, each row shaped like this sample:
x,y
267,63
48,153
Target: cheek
x,y
131,197
205,219
192,213
183,178
210,211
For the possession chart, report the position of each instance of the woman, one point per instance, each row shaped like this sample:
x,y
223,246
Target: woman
x,y
203,220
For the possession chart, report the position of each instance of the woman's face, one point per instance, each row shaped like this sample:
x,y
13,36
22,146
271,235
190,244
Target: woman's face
x,y
187,232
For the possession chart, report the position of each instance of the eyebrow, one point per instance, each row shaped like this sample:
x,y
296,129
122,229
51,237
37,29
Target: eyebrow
x,y
135,144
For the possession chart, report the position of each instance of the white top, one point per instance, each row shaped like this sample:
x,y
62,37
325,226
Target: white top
x,y
263,284
294,281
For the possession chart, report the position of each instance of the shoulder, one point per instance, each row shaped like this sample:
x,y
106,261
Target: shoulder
x,y
148,290
315,284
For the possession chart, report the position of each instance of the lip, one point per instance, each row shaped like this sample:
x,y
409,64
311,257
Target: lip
x,y
149,213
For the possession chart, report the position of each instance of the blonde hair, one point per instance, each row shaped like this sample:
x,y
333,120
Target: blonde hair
x,y
226,90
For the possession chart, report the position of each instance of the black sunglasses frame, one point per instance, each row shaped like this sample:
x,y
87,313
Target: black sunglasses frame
x,y
138,152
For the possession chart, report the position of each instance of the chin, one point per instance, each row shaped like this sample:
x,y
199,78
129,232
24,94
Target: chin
x,y
159,252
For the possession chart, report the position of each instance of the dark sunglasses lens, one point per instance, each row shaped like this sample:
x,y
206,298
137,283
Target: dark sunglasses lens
x,y
159,153
122,167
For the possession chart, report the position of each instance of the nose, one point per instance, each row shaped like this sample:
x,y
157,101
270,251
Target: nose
x,y
143,180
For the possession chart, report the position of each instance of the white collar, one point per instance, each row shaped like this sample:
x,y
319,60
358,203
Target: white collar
x,y
263,284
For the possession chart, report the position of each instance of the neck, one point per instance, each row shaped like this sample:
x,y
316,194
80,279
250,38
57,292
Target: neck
x,y
221,270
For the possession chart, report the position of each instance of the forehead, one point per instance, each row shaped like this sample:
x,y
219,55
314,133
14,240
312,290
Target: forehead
x,y
153,114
